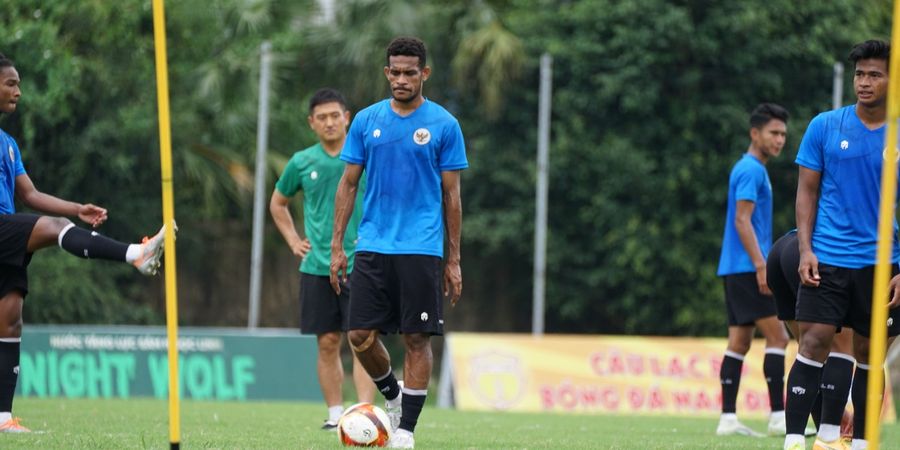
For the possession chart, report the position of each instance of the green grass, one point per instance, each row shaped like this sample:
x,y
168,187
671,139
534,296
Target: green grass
x,y
122,424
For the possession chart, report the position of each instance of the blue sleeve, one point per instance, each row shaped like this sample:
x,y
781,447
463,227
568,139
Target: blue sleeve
x,y
746,184
354,151
453,150
18,167
812,150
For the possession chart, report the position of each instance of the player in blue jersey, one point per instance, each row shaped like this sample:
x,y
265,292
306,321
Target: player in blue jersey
x,y
316,171
23,234
412,151
742,264
838,193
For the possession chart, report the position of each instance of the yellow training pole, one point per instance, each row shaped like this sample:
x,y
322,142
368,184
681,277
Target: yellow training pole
x,y
878,336
165,157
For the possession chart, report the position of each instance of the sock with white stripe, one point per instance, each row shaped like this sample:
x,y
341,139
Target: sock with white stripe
x,y
387,385
773,370
836,378
802,388
90,244
730,377
413,401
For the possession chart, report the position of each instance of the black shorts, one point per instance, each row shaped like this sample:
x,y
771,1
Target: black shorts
x,y
743,302
15,230
321,310
394,293
844,298
782,275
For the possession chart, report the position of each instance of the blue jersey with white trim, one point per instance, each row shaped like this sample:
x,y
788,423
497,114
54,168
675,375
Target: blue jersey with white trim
x,y
10,168
849,157
403,158
748,181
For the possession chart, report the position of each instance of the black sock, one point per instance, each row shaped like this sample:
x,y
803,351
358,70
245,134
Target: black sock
x,y
773,370
413,401
730,377
802,389
836,377
9,374
88,244
858,393
817,411
388,386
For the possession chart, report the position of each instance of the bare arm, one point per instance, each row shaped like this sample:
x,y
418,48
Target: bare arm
x,y
807,207
28,194
281,214
745,232
344,200
453,218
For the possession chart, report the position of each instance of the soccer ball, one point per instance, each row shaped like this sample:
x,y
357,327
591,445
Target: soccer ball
x,y
364,425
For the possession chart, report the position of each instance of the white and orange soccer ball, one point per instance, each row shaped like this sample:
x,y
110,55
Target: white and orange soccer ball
x,y
364,425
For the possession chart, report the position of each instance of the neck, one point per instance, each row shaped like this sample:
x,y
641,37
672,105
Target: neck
x,y
407,108
872,116
757,153
333,148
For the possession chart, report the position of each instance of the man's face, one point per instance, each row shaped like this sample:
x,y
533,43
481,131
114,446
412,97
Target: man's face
x,y
9,89
406,77
329,121
769,138
870,81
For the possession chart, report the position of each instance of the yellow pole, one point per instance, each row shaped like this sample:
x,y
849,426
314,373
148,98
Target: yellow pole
x,y
878,337
165,157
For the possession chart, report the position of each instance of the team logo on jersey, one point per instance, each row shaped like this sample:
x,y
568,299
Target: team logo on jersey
x,y
376,133
890,321
12,154
845,145
884,154
424,317
422,136
314,175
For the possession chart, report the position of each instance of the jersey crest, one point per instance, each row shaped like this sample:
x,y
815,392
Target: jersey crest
x,y
422,136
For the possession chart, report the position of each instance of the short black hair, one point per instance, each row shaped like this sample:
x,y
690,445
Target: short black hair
x,y
871,49
406,46
5,62
326,95
766,112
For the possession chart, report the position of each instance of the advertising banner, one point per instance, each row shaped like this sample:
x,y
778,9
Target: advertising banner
x,y
124,362
602,374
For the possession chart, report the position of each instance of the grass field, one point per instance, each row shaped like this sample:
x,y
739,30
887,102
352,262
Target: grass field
x,y
123,424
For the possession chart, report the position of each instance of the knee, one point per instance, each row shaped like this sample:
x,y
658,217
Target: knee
x,y
814,347
54,224
329,343
417,342
739,347
360,340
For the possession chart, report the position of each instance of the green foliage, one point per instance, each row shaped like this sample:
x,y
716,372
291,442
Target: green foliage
x,y
650,110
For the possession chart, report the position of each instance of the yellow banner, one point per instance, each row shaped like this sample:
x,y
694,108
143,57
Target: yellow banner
x,y
603,374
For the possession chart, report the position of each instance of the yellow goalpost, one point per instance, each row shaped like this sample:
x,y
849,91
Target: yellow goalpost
x,y
878,337
165,156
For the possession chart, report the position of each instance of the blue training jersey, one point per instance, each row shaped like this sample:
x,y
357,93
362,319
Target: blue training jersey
x,y
10,168
748,181
403,158
849,157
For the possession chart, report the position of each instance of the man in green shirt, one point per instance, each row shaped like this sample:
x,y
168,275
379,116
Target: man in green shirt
x,y
316,171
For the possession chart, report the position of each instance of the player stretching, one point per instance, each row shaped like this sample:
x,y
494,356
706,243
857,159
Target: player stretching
x,y
412,151
23,234
316,171
748,300
838,194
